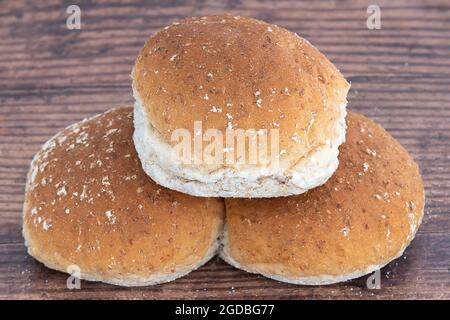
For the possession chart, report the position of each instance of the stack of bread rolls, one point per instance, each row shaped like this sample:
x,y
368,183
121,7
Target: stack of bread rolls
x,y
336,197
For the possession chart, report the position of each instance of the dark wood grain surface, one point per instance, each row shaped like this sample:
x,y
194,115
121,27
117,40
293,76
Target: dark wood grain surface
x,y
51,77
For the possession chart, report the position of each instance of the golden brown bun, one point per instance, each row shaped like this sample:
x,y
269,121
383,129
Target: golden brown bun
x,y
361,219
244,73
88,203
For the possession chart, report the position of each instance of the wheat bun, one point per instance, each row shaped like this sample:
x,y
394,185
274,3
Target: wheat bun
x,y
89,204
232,72
358,221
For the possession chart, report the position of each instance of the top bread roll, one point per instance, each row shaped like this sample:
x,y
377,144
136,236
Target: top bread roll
x,y
228,73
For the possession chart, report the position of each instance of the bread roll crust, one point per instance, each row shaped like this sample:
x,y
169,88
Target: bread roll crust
x,y
358,221
88,203
228,62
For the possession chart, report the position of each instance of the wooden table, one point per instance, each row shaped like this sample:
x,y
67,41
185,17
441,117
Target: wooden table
x,y
51,77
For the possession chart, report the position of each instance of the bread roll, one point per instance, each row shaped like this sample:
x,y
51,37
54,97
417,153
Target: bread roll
x,y
357,222
230,73
89,204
